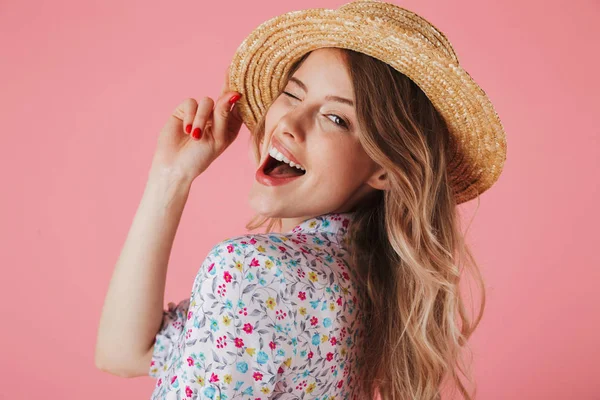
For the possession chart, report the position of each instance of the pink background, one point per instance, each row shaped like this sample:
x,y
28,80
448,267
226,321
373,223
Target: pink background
x,y
85,88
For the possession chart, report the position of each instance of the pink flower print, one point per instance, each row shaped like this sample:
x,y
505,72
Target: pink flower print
x,y
301,273
340,383
213,377
248,328
159,382
310,354
252,241
189,315
257,376
313,321
243,311
229,248
210,267
221,342
280,370
333,340
329,356
222,289
188,392
190,361
282,249
272,345
301,385
339,301
227,276
346,276
302,295
254,262
280,314
188,334
239,342
173,379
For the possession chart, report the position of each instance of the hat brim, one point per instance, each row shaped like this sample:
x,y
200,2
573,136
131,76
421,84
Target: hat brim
x,y
263,59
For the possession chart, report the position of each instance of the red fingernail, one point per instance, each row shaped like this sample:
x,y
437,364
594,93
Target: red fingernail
x,y
197,133
234,98
188,128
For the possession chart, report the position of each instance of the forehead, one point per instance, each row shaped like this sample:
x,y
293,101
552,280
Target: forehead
x,y
326,69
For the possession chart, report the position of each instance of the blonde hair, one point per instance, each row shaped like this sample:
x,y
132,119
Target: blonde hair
x,y
406,245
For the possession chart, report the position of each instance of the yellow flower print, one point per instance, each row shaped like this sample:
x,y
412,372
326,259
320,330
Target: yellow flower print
x,y
250,350
265,390
261,249
302,311
239,265
313,276
312,224
284,239
269,264
154,370
227,378
226,320
288,362
344,290
310,387
271,303
343,351
331,306
324,338
200,380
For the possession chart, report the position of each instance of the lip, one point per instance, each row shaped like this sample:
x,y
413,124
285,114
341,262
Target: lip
x,y
279,146
272,181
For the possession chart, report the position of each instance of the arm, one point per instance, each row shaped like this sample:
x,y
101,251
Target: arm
x,y
235,337
133,307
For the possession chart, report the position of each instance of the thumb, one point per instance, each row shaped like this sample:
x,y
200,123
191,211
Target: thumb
x,y
226,122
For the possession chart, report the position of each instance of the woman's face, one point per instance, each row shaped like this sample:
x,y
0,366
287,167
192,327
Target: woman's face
x,y
320,130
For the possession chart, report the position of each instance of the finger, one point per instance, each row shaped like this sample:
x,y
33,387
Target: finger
x,y
203,114
225,126
182,116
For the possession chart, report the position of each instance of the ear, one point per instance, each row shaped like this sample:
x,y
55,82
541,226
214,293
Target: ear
x,y
379,179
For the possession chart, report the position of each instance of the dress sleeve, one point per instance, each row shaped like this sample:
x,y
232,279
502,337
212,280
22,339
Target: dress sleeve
x,y
172,325
239,331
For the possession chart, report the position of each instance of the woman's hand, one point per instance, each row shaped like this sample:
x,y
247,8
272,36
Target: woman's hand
x,y
179,153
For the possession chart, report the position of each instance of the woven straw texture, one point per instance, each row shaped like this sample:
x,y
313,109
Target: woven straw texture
x,y
398,37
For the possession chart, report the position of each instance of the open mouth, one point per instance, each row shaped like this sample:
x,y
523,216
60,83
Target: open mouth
x,y
280,169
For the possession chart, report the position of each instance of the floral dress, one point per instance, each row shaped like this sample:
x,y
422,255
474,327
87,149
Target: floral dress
x,y
270,316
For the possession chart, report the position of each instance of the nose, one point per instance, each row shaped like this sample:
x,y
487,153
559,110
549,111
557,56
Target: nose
x,y
294,123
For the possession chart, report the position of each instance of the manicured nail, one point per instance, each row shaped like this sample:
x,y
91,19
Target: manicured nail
x,y
234,98
188,128
197,133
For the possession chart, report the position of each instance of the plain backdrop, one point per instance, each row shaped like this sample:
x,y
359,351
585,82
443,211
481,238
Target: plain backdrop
x,y
86,86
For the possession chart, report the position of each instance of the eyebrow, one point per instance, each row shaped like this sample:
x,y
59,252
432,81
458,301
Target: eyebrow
x,y
330,97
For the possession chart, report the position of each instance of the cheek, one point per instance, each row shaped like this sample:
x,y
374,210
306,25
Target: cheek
x,y
349,166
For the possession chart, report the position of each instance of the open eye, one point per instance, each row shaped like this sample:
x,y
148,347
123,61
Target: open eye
x,y
343,123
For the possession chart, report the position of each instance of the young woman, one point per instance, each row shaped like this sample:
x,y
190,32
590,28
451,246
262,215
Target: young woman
x,y
353,290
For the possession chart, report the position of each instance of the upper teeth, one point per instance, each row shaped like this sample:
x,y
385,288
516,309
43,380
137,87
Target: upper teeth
x,y
280,157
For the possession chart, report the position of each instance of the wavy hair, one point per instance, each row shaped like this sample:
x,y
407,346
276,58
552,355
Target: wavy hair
x,y
406,243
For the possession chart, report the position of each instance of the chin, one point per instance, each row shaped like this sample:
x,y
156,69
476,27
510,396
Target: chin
x,y
263,203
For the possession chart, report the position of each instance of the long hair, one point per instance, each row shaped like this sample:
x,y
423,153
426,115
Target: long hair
x,y
406,243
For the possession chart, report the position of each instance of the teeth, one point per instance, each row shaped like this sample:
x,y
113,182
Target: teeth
x,y
280,157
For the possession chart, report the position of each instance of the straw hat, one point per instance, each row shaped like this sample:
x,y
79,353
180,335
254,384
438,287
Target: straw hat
x,y
398,37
